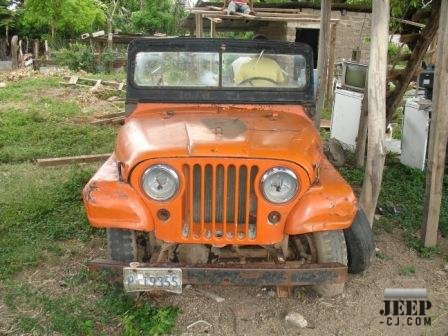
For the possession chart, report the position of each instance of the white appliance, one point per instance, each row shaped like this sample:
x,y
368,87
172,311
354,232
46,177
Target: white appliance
x,y
345,117
414,143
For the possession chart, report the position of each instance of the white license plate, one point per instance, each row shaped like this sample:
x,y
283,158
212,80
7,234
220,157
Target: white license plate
x,y
149,278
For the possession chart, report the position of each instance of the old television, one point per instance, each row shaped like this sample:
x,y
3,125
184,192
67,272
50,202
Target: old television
x,y
354,76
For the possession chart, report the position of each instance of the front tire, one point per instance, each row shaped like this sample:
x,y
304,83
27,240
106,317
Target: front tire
x,y
122,245
330,247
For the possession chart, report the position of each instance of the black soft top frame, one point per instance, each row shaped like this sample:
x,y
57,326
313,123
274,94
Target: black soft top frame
x,y
136,94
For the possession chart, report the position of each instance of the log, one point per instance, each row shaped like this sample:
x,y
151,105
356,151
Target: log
x,y
322,60
72,159
376,119
438,137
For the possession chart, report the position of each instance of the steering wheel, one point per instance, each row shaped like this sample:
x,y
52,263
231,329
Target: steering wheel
x,y
257,78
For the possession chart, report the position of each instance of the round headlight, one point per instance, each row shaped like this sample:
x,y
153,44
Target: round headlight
x,y
279,185
160,182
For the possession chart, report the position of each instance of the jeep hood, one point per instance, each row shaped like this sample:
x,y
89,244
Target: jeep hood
x,y
264,132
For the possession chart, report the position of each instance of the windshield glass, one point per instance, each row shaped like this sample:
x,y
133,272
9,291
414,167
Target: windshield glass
x,y
203,69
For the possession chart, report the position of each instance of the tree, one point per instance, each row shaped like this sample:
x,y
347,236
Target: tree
x,y
70,17
161,16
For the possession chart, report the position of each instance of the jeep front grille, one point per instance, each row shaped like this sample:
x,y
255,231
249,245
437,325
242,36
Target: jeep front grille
x,y
220,201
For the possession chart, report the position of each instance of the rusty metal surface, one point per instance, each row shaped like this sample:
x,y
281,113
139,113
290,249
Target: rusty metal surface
x,y
250,274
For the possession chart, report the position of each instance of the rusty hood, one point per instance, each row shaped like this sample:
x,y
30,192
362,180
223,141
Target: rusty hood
x,y
273,132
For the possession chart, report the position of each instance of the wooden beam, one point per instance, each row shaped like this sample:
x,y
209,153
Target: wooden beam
x,y
322,58
199,28
438,136
72,159
376,119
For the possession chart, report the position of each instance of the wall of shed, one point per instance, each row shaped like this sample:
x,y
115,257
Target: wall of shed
x,y
353,30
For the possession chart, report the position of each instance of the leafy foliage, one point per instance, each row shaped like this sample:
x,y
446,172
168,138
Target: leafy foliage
x,y
68,17
77,57
161,16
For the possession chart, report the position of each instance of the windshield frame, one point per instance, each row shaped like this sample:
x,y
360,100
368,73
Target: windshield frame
x,y
219,94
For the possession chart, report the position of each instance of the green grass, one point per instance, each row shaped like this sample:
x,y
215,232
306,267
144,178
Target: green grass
x,y
42,216
34,126
403,188
408,271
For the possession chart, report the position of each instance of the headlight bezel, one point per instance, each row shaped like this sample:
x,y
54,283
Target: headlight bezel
x,y
171,172
274,170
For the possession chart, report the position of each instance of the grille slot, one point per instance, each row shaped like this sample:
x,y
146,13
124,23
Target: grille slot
x,y
220,201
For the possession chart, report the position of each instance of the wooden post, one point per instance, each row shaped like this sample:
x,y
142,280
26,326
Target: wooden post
x,y
47,50
198,21
212,29
376,119
36,49
14,51
331,61
438,136
322,58
361,138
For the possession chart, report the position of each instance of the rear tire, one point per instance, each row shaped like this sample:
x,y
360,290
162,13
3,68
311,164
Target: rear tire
x,y
330,247
122,245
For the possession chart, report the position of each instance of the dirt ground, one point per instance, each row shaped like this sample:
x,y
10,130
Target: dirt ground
x,y
256,311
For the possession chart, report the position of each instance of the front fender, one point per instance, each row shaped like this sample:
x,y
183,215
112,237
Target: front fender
x,y
329,205
111,203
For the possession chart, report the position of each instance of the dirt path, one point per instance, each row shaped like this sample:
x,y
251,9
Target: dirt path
x,y
254,311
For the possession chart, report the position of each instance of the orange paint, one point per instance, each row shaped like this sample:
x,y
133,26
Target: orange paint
x,y
217,138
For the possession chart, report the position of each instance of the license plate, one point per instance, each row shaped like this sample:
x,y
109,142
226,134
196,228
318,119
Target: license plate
x,y
149,278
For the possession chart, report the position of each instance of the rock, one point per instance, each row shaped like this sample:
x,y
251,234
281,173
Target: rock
x,y
446,267
335,153
296,319
2,85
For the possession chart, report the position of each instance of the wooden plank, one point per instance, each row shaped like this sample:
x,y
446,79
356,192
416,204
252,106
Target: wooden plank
x,y
112,121
214,19
73,80
111,115
72,159
376,119
322,58
438,136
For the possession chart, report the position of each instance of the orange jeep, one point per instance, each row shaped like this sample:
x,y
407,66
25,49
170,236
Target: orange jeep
x,y
218,175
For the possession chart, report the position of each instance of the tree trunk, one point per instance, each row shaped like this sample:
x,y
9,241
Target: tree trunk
x,y
322,59
438,137
377,108
360,151
109,33
414,63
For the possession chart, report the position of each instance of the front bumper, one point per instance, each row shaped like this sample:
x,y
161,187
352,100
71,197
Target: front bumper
x,y
286,274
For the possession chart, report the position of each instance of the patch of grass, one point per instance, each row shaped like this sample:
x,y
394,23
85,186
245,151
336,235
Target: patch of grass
x,y
41,213
403,189
423,251
37,207
408,270
46,127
